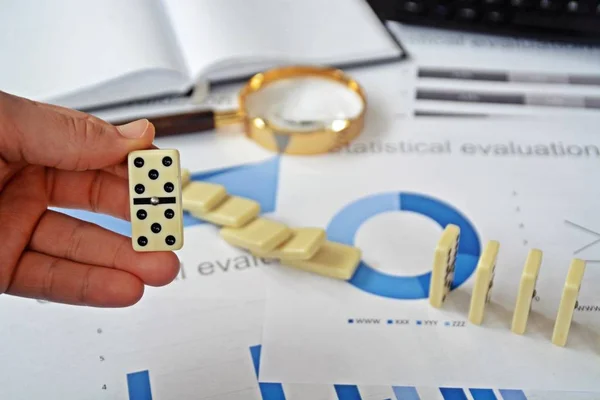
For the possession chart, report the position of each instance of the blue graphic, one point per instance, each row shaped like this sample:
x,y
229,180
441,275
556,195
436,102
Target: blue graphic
x,y
347,392
345,224
453,394
274,391
405,393
254,181
259,181
138,385
268,391
483,394
512,394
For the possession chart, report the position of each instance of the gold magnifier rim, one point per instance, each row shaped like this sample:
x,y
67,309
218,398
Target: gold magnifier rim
x,y
290,141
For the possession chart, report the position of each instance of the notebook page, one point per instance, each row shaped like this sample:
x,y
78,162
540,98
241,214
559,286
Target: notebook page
x,y
52,49
237,33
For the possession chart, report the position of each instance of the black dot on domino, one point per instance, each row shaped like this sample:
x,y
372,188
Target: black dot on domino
x,y
169,214
170,240
142,214
155,227
167,161
138,162
142,241
169,187
139,188
153,174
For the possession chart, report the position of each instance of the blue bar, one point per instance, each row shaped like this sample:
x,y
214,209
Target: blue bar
x,y
511,394
269,391
483,394
453,394
138,384
347,392
406,393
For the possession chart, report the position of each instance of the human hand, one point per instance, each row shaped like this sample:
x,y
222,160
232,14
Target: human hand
x,y
53,156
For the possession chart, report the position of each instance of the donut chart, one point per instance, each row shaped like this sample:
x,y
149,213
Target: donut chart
x,y
346,223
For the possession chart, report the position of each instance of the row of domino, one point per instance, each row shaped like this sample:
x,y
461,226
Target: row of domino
x,y
443,274
304,248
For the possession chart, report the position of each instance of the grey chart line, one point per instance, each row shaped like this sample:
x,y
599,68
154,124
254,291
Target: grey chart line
x,y
587,246
582,227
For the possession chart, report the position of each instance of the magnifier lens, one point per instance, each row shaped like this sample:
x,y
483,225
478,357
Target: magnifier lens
x,y
304,103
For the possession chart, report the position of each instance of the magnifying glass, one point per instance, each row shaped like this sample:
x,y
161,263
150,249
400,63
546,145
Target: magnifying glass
x,y
290,110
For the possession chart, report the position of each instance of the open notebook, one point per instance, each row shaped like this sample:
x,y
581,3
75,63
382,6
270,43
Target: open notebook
x,y
84,54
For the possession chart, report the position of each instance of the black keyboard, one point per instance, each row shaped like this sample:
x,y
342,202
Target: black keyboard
x,y
563,20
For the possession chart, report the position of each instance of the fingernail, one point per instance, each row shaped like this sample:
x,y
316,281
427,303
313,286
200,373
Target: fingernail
x,y
133,130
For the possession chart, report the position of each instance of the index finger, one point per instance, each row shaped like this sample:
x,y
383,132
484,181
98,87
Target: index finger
x,y
53,136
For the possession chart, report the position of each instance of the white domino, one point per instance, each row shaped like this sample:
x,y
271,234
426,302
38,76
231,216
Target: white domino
x,y
444,261
526,291
484,281
568,302
155,200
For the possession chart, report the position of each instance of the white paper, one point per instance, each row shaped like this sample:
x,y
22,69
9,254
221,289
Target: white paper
x,y
226,37
52,49
535,70
395,87
320,329
86,55
191,348
438,47
194,335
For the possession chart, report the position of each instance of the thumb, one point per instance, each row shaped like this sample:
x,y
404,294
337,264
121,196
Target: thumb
x,y
53,136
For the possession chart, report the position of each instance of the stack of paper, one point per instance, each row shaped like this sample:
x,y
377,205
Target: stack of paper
x,y
207,336
86,55
235,326
476,75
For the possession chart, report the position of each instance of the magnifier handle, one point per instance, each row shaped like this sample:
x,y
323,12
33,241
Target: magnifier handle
x,y
182,123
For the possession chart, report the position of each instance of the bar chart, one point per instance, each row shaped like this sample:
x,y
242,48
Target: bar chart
x,y
139,388
473,92
138,385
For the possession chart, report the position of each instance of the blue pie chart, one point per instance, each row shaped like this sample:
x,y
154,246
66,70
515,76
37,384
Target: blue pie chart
x,y
346,223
